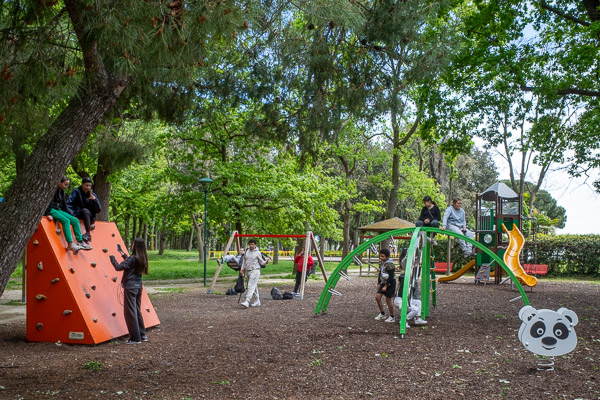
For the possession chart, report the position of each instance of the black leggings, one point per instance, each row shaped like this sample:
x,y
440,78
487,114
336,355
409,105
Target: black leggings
x,y
299,279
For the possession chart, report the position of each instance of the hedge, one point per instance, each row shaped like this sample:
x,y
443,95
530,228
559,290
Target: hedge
x,y
566,254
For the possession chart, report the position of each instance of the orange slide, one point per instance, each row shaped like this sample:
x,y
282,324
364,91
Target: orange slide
x,y
458,273
511,257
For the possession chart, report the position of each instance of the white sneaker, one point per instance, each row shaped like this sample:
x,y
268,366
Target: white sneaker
x,y
390,319
245,304
255,304
407,325
419,321
380,317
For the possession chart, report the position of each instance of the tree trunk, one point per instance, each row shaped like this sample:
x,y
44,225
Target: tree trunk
x,y
346,229
134,230
163,237
33,188
191,241
102,189
199,238
276,252
126,234
146,233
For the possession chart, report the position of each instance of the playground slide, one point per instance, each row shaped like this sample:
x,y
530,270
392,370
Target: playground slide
x,y
458,273
511,257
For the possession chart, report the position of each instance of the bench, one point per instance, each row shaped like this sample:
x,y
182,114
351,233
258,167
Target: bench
x,y
442,267
535,269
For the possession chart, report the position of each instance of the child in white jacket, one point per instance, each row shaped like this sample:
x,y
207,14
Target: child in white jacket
x,y
413,311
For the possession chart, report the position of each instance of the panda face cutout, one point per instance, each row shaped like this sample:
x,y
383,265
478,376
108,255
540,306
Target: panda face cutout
x,y
547,332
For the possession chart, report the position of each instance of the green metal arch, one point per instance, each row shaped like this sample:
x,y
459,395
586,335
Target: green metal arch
x,y
345,263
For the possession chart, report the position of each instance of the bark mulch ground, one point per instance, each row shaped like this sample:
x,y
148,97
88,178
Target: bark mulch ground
x,y
207,346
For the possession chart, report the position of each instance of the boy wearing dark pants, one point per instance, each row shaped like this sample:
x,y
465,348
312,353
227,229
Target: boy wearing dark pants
x,y
386,285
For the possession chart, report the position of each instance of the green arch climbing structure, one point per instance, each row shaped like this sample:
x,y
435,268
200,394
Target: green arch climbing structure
x,y
340,270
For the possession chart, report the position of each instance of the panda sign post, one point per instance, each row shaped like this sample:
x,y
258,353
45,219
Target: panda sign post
x,y
548,333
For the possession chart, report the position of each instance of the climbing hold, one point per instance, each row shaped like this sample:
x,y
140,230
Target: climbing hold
x,y
95,319
147,309
67,312
40,266
113,235
88,295
114,278
40,297
39,326
105,250
57,231
93,264
114,314
35,242
53,281
72,270
94,287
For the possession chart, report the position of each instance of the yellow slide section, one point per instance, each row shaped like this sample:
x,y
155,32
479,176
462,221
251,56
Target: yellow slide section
x,y
511,257
458,273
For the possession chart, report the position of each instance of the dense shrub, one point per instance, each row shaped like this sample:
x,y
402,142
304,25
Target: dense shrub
x,y
566,254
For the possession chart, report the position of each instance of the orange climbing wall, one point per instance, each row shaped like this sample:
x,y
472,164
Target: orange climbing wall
x,y
76,298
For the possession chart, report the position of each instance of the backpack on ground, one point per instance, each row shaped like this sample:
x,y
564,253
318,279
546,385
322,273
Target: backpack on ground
x,y
276,294
288,296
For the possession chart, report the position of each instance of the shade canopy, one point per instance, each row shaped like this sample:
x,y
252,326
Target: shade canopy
x,y
498,189
387,225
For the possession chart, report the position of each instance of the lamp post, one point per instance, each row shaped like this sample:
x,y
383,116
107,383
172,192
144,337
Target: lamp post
x,y
205,184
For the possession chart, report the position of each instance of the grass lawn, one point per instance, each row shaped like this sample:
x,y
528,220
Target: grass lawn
x,y
180,264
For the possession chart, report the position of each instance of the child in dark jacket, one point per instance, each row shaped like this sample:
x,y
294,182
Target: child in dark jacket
x,y
386,285
133,267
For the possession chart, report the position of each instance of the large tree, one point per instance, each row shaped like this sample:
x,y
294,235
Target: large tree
x,y
137,49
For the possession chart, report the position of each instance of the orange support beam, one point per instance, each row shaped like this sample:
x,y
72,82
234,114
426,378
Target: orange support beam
x,y
76,298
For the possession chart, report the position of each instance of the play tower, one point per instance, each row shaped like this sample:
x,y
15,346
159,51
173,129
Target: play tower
x,y
497,205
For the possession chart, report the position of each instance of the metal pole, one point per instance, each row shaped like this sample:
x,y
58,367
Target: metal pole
x,y
205,232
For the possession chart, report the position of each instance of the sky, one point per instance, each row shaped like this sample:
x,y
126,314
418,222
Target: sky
x,y
579,199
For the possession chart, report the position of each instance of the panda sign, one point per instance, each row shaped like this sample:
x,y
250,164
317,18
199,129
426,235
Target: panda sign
x,y
547,332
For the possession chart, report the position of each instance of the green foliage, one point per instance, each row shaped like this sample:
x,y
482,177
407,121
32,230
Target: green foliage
x,y
93,365
567,255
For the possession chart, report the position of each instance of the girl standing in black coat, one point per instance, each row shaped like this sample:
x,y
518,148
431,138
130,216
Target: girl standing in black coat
x,y
133,267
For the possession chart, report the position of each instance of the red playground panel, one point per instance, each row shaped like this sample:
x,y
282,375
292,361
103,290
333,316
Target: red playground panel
x,y
76,298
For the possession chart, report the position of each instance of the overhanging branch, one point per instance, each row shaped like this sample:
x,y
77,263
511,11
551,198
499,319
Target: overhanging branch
x,y
566,91
564,15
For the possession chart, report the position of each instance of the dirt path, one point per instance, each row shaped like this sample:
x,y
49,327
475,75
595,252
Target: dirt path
x,y
207,346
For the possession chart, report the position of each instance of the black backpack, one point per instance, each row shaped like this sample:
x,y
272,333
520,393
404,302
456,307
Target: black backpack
x,y
276,294
288,296
239,285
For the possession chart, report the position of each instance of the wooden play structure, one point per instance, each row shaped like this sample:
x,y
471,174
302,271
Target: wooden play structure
x,y
76,298
309,242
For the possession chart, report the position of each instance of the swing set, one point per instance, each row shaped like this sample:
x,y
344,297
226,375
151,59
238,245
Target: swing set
x,y
309,242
